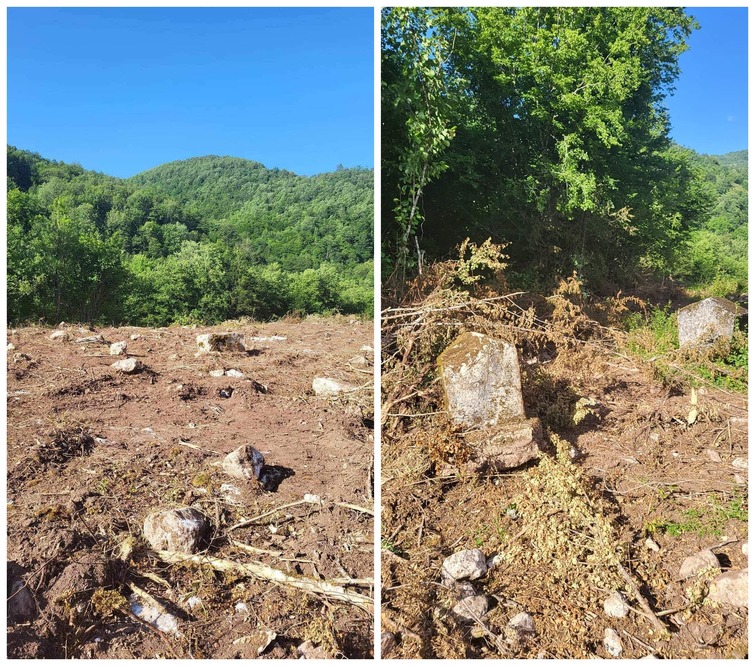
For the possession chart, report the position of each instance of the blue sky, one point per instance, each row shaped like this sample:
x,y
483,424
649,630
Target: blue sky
x,y
124,90
709,108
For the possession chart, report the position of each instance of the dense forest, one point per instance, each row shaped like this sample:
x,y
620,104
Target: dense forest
x,y
544,128
199,240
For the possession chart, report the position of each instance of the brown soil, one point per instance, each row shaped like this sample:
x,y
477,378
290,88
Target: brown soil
x,y
91,451
561,527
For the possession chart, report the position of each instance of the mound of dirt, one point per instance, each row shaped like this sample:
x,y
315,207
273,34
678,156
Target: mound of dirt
x,y
92,451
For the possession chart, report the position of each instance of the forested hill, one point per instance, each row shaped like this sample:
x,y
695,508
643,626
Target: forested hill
x,y
204,239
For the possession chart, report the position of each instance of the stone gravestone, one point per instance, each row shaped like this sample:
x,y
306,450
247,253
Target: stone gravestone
x,y
483,393
702,323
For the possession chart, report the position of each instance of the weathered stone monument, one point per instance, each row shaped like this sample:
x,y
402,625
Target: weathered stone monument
x,y
706,321
483,393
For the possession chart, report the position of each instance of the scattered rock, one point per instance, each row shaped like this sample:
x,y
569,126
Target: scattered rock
x,y
465,564
21,604
308,650
367,349
388,643
701,561
118,348
245,462
522,623
173,357
612,642
234,373
652,545
91,338
713,456
616,605
128,365
62,336
183,530
226,392
745,549
481,380
739,463
231,494
730,588
324,386
740,480
233,342
11,346
359,361
157,616
470,609
704,322
135,336
217,373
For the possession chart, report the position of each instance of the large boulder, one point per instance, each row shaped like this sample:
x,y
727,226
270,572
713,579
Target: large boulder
x,y
481,380
706,321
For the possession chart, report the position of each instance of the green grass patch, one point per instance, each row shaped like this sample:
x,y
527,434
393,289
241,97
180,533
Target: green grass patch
x,y
710,520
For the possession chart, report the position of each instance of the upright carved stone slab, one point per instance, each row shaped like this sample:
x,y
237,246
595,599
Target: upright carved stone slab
x,y
704,322
481,380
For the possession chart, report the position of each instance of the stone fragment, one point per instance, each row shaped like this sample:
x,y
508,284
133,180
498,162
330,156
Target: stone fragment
x,y
91,338
470,609
359,361
154,614
245,462
713,456
730,588
61,336
367,349
325,387
652,545
21,604
701,561
11,346
465,564
135,336
481,380
745,548
118,348
308,650
506,446
217,373
388,643
128,365
702,323
616,605
184,530
230,341
739,463
234,373
522,623
612,642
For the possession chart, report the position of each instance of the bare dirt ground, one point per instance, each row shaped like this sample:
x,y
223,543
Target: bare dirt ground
x,y
636,464
91,451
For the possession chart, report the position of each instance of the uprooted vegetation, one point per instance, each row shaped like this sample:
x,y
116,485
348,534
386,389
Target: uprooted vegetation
x,y
92,451
639,443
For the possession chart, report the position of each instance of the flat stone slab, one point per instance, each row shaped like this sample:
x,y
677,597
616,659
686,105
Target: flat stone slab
x,y
481,380
507,446
705,322
208,342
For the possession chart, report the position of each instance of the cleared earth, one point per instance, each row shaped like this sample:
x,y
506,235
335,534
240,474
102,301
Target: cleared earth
x,y
91,451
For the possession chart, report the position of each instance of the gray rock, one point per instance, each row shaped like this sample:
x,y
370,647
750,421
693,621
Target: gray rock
x,y
118,348
702,323
128,366
61,336
616,605
612,642
11,347
308,650
465,564
155,614
326,387
506,446
21,604
229,341
91,338
244,463
470,609
234,373
522,623
739,463
481,380
745,548
388,643
217,373
730,588
135,336
713,456
359,361
652,545
697,563
183,530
